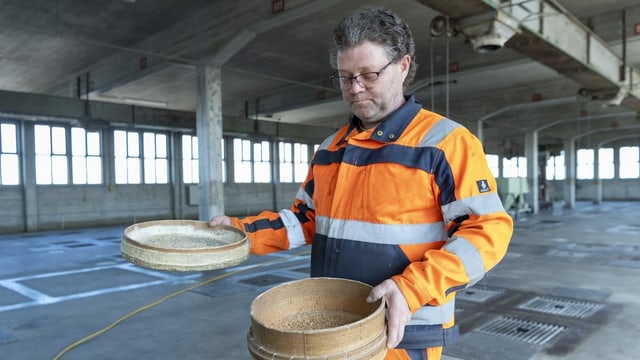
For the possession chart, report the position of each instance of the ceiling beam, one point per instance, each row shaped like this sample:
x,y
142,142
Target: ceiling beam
x,y
549,34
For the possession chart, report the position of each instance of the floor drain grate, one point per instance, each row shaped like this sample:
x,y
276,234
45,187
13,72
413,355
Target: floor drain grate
x,y
529,331
478,295
264,280
559,306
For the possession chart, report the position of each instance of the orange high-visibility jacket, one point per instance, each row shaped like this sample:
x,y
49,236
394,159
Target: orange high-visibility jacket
x,y
412,199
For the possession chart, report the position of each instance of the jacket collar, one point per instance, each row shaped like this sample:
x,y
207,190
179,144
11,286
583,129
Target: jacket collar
x,y
393,126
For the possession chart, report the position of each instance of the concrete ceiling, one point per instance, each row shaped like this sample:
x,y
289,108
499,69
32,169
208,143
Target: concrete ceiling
x,y
275,64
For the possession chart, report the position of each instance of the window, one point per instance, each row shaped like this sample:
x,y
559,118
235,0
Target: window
x,y
494,164
190,165
514,167
606,166
241,161
9,161
190,162
126,149
86,160
584,163
251,161
555,169
294,162
261,164
51,155
629,162
156,163
136,156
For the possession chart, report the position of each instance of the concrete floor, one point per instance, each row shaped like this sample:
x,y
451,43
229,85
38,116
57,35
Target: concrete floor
x,y
568,289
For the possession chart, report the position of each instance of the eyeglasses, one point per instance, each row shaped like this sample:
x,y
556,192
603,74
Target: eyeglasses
x,y
364,79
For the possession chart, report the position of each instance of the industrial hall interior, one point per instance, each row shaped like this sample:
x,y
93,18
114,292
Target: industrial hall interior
x,y
123,115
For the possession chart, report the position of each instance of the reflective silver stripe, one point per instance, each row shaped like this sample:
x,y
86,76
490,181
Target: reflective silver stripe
x,y
294,228
470,257
482,204
434,315
302,195
325,144
438,132
381,233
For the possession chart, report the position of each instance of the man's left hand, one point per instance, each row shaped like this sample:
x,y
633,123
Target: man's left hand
x,y
399,313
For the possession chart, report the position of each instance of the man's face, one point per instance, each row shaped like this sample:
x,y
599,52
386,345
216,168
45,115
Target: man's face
x,y
372,101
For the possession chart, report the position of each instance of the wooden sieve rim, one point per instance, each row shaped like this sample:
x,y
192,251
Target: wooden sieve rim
x,y
376,312
202,225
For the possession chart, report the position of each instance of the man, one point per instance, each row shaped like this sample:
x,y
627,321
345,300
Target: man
x,y
400,198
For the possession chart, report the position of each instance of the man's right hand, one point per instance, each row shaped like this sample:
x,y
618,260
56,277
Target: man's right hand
x,y
220,220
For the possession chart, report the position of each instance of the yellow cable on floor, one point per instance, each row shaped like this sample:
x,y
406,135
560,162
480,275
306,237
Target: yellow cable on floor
x,y
160,301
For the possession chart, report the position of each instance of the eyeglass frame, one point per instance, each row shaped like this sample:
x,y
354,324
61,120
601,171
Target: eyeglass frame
x,y
341,78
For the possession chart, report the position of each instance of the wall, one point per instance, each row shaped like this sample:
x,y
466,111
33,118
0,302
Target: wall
x,y
65,207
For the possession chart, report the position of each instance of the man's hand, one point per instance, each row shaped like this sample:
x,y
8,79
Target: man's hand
x,y
398,314
220,220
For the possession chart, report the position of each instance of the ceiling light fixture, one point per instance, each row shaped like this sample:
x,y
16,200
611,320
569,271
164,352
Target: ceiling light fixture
x,y
145,102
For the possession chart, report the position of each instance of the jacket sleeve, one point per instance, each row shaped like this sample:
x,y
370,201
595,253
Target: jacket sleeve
x,y
286,229
478,227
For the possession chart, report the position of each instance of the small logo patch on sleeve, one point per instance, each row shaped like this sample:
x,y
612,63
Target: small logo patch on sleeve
x,y
483,186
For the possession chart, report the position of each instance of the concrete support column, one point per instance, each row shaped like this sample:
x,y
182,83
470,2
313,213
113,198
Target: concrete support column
x,y
596,175
570,170
177,180
29,177
209,131
531,153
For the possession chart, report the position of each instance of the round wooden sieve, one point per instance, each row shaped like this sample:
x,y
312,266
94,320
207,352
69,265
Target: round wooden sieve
x,y
183,245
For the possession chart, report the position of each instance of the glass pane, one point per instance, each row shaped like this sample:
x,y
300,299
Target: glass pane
x,y
257,152
58,140
94,170
196,171
133,171
301,172
606,171
133,144
281,151
93,143
149,171
494,164
242,172
237,149
286,172
121,170
195,148
9,138
79,169
186,147
78,145
287,153
162,171
59,173
161,145
265,151
43,140
522,166
149,144
304,153
262,173
186,172
43,169
120,143
246,150
605,155
10,169
549,170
